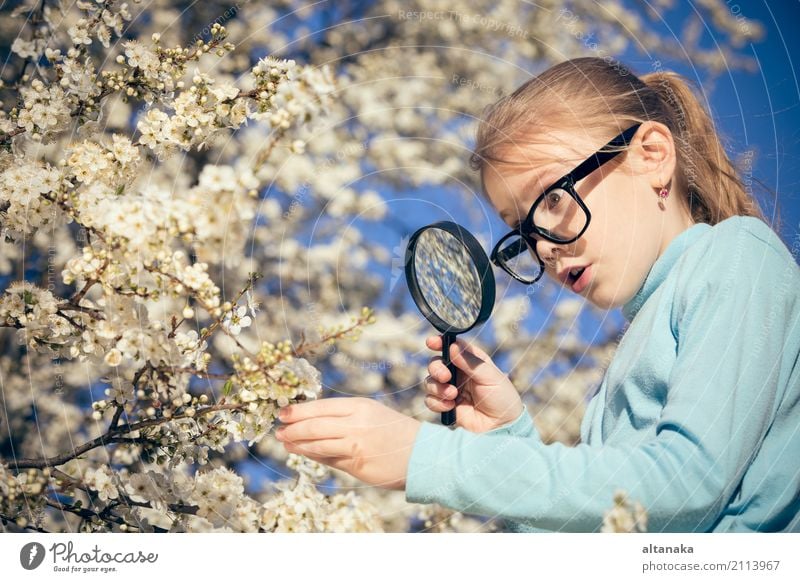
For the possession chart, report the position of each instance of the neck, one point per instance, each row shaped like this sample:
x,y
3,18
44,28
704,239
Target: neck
x,y
676,219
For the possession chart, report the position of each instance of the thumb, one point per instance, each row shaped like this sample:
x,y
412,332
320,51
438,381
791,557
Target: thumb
x,y
475,362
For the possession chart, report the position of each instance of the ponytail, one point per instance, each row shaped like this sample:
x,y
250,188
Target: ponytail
x,y
714,188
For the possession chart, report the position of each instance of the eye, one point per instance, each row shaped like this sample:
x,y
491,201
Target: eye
x,y
553,198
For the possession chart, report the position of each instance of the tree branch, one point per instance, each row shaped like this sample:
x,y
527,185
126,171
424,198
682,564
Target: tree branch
x,y
109,438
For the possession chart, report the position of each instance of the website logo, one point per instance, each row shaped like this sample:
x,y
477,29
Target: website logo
x,y
31,555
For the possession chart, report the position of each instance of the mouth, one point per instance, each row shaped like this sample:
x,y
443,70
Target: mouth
x,y
576,278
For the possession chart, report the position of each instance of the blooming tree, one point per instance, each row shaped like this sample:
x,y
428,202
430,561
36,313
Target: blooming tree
x,y
189,202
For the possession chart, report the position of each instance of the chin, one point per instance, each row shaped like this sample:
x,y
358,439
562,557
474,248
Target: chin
x,y
602,300
601,304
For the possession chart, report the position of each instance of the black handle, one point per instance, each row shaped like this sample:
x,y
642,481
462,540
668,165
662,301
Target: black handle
x,y
449,416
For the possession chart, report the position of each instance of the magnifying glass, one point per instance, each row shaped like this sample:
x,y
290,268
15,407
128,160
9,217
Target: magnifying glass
x,y
452,283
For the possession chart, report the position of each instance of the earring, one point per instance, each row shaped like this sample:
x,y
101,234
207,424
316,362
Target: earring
x,y
662,195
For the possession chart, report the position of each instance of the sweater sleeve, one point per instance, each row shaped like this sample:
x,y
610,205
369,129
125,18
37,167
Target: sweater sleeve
x,y
721,399
522,426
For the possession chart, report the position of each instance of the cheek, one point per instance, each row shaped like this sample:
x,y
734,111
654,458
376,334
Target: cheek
x,y
617,240
611,245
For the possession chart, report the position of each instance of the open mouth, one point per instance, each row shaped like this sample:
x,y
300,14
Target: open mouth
x,y
574,275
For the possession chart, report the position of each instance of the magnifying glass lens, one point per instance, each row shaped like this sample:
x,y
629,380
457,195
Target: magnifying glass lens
x,y
452,283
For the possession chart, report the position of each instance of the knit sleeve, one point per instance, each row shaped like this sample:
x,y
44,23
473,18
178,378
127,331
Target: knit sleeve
x,y
522,426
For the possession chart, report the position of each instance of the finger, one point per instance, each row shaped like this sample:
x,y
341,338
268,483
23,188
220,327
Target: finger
x,y
321,448
333,406
434,342
462,343
437,405
441,390
465,356
478,367
438,370
323,427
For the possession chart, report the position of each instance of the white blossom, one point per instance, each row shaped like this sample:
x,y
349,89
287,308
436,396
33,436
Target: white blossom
x,y
101,480
235,321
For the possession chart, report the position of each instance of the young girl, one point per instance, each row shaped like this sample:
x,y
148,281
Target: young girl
x,y
618,187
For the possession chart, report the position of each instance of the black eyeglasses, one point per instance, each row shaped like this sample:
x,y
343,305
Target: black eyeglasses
x,y
558,215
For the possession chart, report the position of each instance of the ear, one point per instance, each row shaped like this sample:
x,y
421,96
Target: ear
x,y
654,155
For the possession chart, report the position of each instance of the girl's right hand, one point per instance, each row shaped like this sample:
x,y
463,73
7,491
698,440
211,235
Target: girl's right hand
x,y
486,397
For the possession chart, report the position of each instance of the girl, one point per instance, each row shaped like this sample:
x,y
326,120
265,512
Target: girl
x,y
619,188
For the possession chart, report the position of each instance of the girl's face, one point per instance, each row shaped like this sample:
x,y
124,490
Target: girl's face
x,y
627,232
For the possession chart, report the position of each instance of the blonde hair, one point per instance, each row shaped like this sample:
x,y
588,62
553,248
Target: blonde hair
x,y
608,98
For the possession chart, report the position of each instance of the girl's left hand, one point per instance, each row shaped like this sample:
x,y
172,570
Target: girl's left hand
x,y
360,436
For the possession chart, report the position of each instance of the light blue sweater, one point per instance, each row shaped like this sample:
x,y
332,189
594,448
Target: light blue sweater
x,y
697,417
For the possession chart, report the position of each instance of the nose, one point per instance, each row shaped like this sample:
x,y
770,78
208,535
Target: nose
x,y
549,252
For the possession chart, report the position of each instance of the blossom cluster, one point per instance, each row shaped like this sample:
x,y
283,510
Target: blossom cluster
x,y
35,312
21,496
624,516
213,499
301,507
23,187
263,385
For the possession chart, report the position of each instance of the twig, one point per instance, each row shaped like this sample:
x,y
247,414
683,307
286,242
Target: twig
x,y
109,438
7,519
89,514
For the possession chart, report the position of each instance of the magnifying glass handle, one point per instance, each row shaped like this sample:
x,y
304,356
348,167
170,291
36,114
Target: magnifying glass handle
x,y
449,416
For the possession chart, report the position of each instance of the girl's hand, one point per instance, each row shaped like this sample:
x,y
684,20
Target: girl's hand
x,y
486,397
360,436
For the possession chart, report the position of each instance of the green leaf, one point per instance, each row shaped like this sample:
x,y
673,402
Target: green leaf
x,y
226,389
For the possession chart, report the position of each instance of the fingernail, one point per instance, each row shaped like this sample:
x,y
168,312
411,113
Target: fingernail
x,y
284,413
